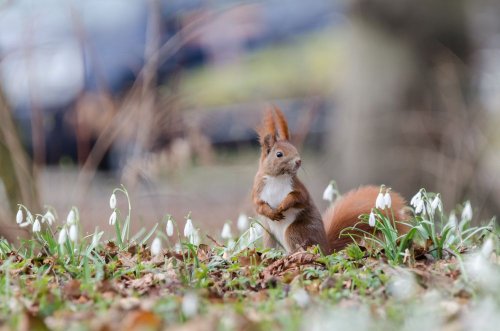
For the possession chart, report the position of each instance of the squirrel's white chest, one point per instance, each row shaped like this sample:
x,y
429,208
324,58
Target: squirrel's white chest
x,y
274,192
276,189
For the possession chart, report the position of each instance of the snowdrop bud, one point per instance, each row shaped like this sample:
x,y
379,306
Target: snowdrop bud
x,y
19,216
242,222
112,218
387,199
73,233
36,226
487,248
226,231
178,247
301,297
436,203
63,235
190,304
329,193
25,224
112,201
188,228
48,217
156,246
452,220
467,212
380,203
252,236
170,228
371,219
29,218
71,219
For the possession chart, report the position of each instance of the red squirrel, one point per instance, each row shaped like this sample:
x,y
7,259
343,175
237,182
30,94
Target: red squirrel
x,y
290,217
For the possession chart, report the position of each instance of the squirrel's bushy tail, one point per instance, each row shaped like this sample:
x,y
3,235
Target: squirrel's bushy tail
x,y
344,213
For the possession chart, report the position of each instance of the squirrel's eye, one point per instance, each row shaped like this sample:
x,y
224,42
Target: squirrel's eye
x,y
279,154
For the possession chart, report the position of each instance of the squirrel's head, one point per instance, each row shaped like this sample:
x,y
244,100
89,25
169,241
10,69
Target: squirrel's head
x,y
278,155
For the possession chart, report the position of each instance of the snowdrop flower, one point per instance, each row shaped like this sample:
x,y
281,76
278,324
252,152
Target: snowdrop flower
x,y
156,246
188,228
387,199
452,220
380,202
226,231
419,206
73,233
190,304
252,235
63,235
330,192
371,219
487,248
178,247
71,219
112,201
467,212
194,238
36,226
242,222
19,216
416,199
301,297
48,217
436,204
112,218
170,228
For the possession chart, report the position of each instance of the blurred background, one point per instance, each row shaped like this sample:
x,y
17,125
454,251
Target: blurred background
x,y
164,95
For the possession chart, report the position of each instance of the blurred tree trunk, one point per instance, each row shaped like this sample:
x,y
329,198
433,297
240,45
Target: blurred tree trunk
x,y
15,172
407,111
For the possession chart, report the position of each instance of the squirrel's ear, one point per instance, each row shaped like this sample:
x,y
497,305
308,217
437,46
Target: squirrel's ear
x,y
281,124
267,128
268,142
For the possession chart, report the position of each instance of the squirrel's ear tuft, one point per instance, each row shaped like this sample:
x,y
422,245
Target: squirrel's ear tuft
x,y
267,128
281,124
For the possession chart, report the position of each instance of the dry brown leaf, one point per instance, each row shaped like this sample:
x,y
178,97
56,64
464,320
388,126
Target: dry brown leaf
x,y
141,321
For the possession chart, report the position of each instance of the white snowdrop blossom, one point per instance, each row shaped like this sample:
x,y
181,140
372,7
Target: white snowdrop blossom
x,y
19,216
252,235
467,212
226,232
242,222
371,219
112,201
188,228
178,247
156,246
420,206
436,204
387,199
37,226
63,235
112,218
48,217
190,304
487,248
194,238
71,219
380,203
452,220
73,233
301,297
416,199
170,228
330,193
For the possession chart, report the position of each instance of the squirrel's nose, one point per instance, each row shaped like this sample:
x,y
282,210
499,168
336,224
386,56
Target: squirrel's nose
x,y
298,162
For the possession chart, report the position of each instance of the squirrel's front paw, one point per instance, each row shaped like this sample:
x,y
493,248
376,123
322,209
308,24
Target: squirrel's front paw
x,y
277,216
